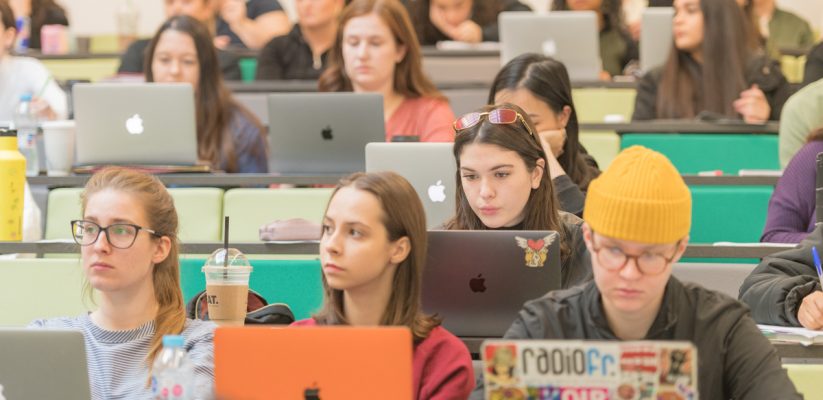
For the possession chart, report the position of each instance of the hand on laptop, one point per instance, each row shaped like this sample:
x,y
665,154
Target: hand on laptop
x,y
810,313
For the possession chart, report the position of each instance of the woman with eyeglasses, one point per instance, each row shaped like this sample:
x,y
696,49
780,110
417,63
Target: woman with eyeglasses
x,y
376,51
541,87
638,215
502,184
129,253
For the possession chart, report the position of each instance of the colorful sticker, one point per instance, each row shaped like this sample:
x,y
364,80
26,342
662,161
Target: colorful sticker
x,y
536,250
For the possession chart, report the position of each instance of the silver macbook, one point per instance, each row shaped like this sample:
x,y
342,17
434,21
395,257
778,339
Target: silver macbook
x,y
655,37
571,37
477,281
43,364
323,132
135,124
433,180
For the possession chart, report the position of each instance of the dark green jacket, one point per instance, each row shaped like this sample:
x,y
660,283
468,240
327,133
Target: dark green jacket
x,y
788,31
735,361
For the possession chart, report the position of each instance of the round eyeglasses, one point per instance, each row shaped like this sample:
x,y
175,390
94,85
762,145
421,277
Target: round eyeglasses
x,y
613,258
121,236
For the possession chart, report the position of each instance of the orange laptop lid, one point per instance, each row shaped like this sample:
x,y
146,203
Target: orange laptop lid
x,y
313,363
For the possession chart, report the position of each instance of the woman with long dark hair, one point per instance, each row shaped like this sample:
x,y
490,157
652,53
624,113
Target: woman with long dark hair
x,y
470,21
712,69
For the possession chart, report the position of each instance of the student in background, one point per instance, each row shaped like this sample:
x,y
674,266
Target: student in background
x,y
633,295
779,28
502,184
801,115
617,49
303,53
813,70
372,250
541,87
470,21
247,23
791,215
376,51
25,75
708,70
229,137
133,60
129,255
40,12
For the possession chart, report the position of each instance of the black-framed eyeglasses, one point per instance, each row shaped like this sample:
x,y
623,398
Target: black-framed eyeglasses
x,y
121,236
614,259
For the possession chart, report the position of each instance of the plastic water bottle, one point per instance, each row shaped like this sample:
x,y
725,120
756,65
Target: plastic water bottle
x,y
172,374
26,123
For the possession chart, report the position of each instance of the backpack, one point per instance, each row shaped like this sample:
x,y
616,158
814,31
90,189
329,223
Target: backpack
x,y
258,310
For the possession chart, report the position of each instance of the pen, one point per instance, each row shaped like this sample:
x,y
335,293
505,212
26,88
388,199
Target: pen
x,y
816,258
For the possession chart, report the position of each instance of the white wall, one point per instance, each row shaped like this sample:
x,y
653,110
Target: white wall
x,y
811,10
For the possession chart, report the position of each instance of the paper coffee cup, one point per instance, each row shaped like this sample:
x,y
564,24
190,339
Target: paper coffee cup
x,y
59,139
227,288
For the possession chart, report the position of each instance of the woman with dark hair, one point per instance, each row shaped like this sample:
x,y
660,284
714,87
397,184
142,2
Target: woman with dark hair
x,y
502,183
376,51
470,21
792,215
709,71
229,137
41,12
373,250
617,49
541,87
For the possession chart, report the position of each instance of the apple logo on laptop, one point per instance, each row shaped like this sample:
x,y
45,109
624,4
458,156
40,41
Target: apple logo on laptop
x,y
134,125
326,132
437,192
312,393
478,285
549,48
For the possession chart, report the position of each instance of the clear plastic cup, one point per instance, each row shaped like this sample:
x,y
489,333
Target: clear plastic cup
x,y
227,286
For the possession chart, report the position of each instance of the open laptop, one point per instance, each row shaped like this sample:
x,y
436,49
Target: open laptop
x,y
313,363
43,364
323,132
571,37
477,281
135,124
433,180
655,37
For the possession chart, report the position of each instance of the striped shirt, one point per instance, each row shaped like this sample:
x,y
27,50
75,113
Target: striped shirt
x,y
116,359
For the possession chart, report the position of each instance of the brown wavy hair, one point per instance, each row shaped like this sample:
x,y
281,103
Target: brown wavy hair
x,y
484,12
403,216
541,211
409,79
214,105
158,206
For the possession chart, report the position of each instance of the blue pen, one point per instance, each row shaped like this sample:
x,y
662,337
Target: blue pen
x,y
817,265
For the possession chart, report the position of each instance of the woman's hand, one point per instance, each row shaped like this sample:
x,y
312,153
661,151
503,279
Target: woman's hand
x,y
753,106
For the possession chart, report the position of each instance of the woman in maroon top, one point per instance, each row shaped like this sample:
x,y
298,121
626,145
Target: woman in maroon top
x,y
372,250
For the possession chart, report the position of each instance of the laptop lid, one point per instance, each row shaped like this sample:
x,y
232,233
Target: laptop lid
x,y
655,37
571,37
135,124
43,364
327,362
433,180
478,280
323,132
577,369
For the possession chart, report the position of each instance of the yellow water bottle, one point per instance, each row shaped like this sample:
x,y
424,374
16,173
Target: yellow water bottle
x,y
12,186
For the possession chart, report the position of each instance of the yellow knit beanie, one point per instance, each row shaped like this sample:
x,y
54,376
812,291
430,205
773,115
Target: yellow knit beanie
x,y
640,197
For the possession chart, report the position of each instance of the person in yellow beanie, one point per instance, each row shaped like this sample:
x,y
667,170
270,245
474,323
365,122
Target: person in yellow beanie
x,y
638,215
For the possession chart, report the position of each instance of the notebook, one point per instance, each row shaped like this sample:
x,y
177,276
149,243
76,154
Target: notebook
x,y
43,364
477,281
571,37
323,132
790,334
576,369
135,124
655,37
433,180
313,363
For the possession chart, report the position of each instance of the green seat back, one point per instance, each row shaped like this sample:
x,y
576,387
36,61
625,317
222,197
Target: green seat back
x,y
293,282
693,153
728,213
33,288
249,209
602,145
63,206
806,378
594,104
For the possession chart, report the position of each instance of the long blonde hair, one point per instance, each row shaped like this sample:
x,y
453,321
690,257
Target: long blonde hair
x,y
158,207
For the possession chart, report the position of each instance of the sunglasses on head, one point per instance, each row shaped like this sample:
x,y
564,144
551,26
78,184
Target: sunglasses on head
x,y
498,116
